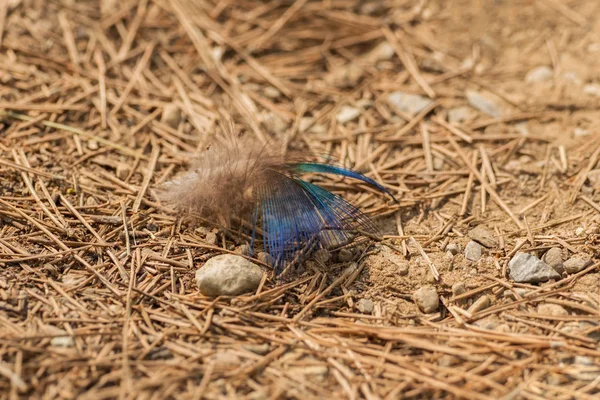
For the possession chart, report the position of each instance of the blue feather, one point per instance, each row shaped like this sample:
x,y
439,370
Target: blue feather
x,y
295,214
332,169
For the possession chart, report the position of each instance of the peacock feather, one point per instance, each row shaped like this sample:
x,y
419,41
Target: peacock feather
x,y
231,181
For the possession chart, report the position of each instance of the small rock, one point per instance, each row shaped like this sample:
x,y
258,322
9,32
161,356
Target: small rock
x,y
588,369
453,248
171,115
345,255
271,92
447,360
580,132
551,309
553,258
482,236
575,264
62,341
211,238
92,145
583,360
59,341
261,349
458,288
460,114
365,306
229,275
489,323
438,163
265,258
593,89
383,51
427,299
305,123
473,251
345,77
539,74
274,123
217,53
408,103
401,265
322,256
483,104
347,114
123,171
579,231
526,268
480,304
593,229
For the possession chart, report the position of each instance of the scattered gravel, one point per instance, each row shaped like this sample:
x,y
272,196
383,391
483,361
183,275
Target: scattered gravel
x,y
539,74
576,264
526,268
365,306
228,275
483,236
408,103
453,248
483,104
458,288
553,258
427,299
171,115
347,114
473,251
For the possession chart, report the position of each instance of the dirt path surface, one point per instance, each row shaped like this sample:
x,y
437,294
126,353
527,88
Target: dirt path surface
x,y
482,117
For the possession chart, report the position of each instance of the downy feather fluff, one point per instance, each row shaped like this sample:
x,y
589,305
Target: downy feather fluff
x,y
257,185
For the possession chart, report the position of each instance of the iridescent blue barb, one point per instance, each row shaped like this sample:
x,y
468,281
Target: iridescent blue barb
x,y
294,213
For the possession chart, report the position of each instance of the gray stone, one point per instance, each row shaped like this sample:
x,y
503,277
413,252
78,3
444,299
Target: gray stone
x,y
593,89
526,268
483,104
271,92
228,275
347,114
448,360
460,114
553,258
347,76
473,251
408,103
305,123
551,309
575,264
580,132
211,238
458,288
484,237
365,306
453,248
345,255
62,341
171,115
383,51
322,256
427,299
539,74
